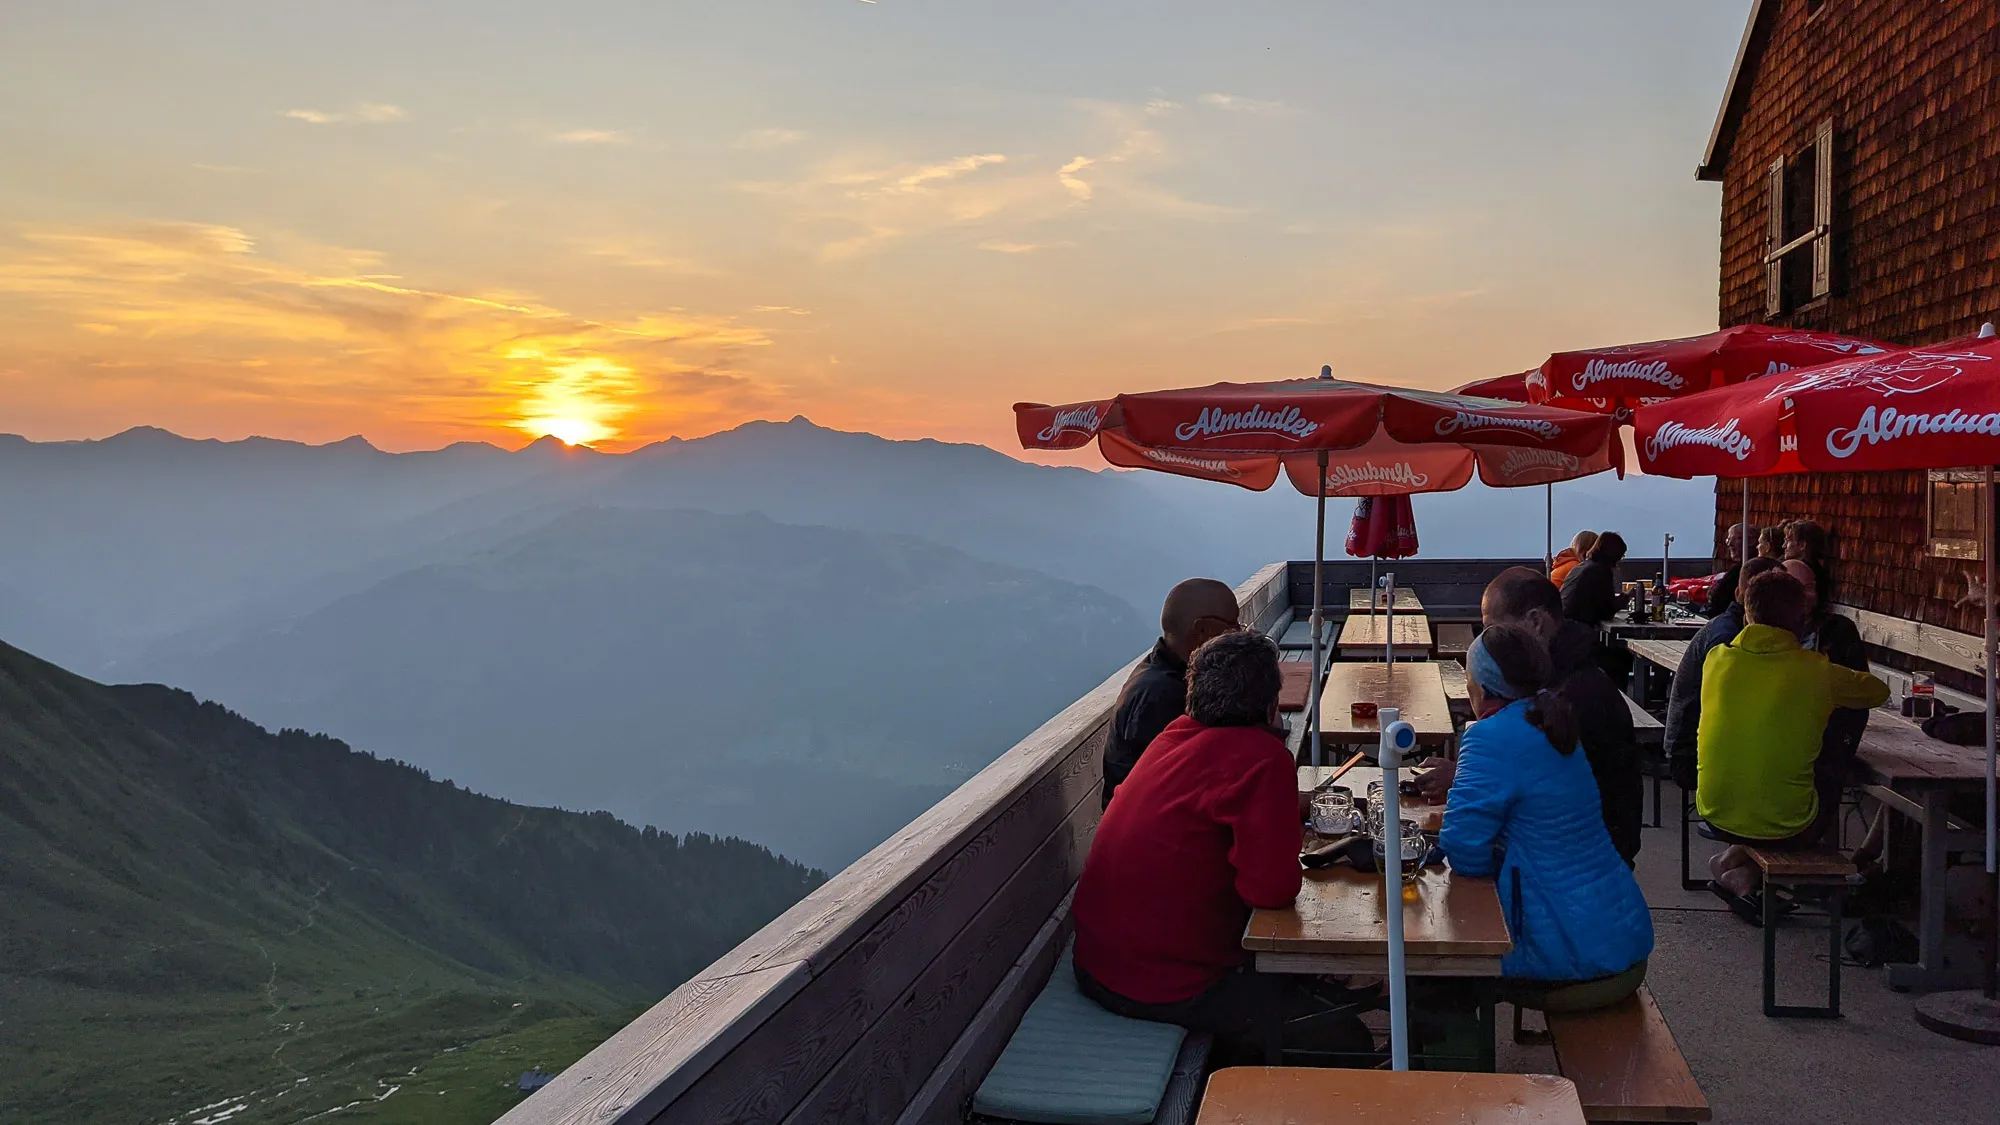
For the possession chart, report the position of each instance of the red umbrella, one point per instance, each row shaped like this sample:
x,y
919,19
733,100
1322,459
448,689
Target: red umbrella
x,y
1934,407
1919,408
1384,527
1673,368
1512,388
1332,438
1242,433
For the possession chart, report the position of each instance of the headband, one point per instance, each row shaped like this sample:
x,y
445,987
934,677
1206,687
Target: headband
x,y
1480,665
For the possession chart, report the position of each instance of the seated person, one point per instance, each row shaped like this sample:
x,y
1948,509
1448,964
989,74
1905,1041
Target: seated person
x,y
1524,808
1590,592
1684,698
1764,707
1724,591
1567,559
1205,829
1155,694
1771,543
1521,597
1839,640
1806,542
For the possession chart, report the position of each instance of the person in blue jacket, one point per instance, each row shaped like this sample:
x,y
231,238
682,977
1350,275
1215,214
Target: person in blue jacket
x,y
1524,809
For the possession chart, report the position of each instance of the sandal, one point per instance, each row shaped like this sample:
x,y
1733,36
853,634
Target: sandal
x,y
1750,908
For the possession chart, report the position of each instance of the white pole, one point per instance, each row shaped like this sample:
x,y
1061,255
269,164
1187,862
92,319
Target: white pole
x,y
1389,631
1318,612
1746,528
1386,753
1992,965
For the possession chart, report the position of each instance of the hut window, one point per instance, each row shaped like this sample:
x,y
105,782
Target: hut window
x,y
1798,244
1957,512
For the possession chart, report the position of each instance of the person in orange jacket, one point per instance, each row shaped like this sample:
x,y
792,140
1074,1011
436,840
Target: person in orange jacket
x,y
1568,558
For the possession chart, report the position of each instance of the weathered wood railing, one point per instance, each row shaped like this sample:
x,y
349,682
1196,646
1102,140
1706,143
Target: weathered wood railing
x,y
858,1004
1450,588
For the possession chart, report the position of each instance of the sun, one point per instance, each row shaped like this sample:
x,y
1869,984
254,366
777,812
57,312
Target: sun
x,y
578,400
569,431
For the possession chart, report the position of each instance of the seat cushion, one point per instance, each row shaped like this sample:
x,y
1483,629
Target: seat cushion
x,y
1073,1063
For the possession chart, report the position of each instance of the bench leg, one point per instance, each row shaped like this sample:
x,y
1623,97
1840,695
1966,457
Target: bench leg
x,y
1687,817
1776,1010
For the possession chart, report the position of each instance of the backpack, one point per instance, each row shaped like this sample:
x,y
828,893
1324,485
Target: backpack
x,y
1873,942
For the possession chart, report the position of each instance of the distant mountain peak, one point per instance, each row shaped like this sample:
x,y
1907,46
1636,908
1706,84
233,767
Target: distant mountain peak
x,y
353,443
148,434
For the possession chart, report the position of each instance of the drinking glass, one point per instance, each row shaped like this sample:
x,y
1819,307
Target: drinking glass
x,y
1412,848
1333,812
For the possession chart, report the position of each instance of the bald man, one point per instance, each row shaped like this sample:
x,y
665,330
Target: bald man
x,y
1724,591
1196,611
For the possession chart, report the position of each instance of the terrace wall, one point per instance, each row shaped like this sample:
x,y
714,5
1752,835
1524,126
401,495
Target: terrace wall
x,y
1913,90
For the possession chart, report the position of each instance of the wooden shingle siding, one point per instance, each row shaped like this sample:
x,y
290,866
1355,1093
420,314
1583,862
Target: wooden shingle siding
x,y
1912,88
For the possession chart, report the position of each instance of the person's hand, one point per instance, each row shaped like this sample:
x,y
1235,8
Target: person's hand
x,y
1437,782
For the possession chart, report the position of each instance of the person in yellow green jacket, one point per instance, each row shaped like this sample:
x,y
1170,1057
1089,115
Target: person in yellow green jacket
x,y
1765,701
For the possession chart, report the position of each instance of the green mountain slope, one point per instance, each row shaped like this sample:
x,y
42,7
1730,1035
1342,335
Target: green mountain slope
x,y
200,915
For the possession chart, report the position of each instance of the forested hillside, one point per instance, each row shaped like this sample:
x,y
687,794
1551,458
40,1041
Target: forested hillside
x,y
200,914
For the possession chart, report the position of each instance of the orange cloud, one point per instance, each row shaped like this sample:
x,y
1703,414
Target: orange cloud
x,y
187,313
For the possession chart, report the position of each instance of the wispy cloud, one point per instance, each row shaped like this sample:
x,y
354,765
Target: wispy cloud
x,y
592,137
1002,246
1237,103
1076,185
644,253
367,113
854,205
171,310
226,169
764,140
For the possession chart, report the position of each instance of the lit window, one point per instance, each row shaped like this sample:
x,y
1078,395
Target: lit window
x,y
1956,513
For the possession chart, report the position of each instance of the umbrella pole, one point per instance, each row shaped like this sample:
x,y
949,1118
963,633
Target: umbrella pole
x,y
1371,584
1746,525
1548,529
1392,888
1974,1015
1992,789
1318,613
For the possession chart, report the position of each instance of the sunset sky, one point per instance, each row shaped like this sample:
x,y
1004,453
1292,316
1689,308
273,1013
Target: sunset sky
x,y
432,221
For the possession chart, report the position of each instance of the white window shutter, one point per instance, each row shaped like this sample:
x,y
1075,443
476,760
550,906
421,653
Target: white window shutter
x,y
1822,247
1774,270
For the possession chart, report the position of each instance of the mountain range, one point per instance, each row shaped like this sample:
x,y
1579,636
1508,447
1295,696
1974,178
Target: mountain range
x,y
407,601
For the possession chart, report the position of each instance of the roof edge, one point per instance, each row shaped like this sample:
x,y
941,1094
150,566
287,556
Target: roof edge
x,y
1756,33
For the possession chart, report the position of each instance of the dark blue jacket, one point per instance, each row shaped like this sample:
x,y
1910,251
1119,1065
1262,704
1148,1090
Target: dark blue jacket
x,y
1529,816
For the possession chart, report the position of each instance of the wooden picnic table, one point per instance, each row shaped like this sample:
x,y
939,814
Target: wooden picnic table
x,y
1324,1096
1406,599
1672,629
1916,775
1662,653
1452,926
1365,635
1416,687
1429,816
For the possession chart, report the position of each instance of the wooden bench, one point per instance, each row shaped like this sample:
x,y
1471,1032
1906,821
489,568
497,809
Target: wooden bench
x,y
1625,1063
1058,1056
1453,638
1456,694
1820,873
1650,733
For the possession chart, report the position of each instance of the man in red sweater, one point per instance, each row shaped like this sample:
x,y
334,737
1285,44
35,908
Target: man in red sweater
x,y
1204,829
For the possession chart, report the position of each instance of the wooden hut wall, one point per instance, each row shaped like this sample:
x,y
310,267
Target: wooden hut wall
x,y
1912,88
